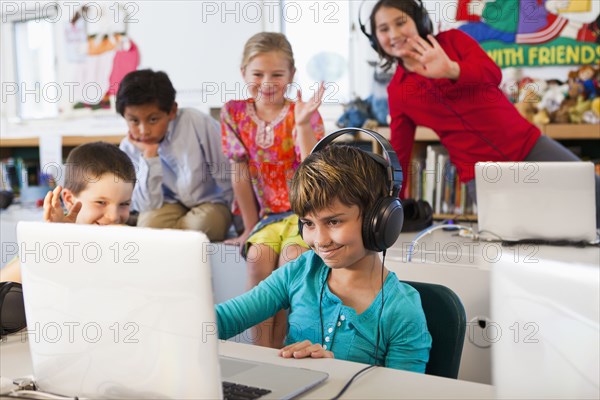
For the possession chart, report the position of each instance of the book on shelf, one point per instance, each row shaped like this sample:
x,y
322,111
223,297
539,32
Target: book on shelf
x,y
434,178
19,174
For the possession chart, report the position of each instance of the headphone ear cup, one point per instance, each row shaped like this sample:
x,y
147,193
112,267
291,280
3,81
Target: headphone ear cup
x,y
424,26
383,224
418,215
12,308
427,24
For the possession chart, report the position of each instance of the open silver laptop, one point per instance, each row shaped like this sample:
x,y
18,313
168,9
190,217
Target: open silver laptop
x,y
121,312
552,201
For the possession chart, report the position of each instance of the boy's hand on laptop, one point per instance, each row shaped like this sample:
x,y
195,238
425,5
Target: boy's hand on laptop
x,y
53,210
305,349
149,150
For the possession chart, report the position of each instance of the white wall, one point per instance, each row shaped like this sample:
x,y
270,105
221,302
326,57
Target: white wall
x,y
189,41
199,44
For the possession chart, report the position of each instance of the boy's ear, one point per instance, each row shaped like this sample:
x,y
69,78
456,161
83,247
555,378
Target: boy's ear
x,y
68,198
173,112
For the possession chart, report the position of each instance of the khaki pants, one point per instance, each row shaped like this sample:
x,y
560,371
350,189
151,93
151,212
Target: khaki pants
x,y
214,219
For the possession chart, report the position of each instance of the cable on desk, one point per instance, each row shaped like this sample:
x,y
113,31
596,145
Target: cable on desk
x,y
427,231
347,385
37,395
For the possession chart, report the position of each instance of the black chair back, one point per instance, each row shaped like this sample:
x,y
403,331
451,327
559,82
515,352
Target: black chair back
x,y
447,323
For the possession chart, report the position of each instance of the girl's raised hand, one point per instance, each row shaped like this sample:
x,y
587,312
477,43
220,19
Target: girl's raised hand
x,y
53,211
305,349
304,110
429,59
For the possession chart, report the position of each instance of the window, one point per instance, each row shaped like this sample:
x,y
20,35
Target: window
x,y
319,32
35,69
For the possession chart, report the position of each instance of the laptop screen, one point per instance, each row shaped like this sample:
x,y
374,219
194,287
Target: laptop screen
x,y
119,312
553,201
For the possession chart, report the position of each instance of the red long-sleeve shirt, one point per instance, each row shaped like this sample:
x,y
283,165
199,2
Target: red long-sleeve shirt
x,y
472,117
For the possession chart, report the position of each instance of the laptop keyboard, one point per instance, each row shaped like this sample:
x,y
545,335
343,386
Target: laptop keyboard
x,y
234,391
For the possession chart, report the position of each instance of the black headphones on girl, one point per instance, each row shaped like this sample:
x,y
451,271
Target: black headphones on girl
x,y
381,224
421,18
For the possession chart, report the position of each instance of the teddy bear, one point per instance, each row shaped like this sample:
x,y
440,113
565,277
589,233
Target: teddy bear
x,y
550,102
592,116
529,96
576,112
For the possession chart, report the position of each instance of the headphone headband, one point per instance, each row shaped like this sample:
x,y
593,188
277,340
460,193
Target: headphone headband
x,y
424,24
392,166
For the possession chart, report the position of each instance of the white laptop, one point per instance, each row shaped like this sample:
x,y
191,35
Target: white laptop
x,y
547,315
122,312
548,201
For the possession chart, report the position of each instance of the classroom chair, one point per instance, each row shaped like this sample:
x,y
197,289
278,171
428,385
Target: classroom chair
x,y
447,322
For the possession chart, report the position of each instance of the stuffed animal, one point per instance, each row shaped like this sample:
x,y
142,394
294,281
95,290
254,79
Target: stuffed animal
x,y
550,103
378,100
371,124
592,116
576,112
541,117
585,76
529,96
355,114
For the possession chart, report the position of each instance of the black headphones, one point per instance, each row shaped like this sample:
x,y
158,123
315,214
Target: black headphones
x,y
421,18
12,308
382,224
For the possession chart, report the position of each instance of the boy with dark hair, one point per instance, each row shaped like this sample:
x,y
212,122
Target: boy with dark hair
x,y
99,181
335,291
181,170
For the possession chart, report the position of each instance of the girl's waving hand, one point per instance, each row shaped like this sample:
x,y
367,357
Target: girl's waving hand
x,y
305,109
429,59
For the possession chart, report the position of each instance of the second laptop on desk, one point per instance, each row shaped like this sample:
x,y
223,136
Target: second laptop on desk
x,y
546,201
121,312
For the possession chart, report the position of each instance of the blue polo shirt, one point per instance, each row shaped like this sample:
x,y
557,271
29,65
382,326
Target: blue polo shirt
x,y
404,341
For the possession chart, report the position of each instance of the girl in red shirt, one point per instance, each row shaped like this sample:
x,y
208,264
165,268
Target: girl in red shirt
x,y
449,84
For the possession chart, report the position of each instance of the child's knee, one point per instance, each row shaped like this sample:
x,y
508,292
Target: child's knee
x,y
290,252
261,260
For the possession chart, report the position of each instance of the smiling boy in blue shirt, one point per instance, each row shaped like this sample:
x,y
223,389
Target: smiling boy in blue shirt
x,y
334,291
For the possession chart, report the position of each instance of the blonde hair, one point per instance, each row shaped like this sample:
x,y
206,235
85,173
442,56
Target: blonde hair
x,y
265,42
337,172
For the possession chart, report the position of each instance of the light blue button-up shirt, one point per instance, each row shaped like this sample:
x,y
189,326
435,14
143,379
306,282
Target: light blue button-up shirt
x,y
190,168
404,341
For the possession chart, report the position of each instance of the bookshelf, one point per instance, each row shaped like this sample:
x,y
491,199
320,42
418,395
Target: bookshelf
x,y
555,131
67,141
584,136
20,158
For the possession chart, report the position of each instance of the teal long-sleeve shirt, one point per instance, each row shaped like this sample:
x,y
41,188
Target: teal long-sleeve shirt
x,y
404,341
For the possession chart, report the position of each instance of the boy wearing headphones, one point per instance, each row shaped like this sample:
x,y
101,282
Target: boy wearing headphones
x,y
342,301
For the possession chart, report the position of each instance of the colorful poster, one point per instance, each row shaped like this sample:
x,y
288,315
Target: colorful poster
x,y
518,33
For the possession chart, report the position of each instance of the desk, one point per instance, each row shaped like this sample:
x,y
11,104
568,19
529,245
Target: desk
x,y
380,383
465,266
